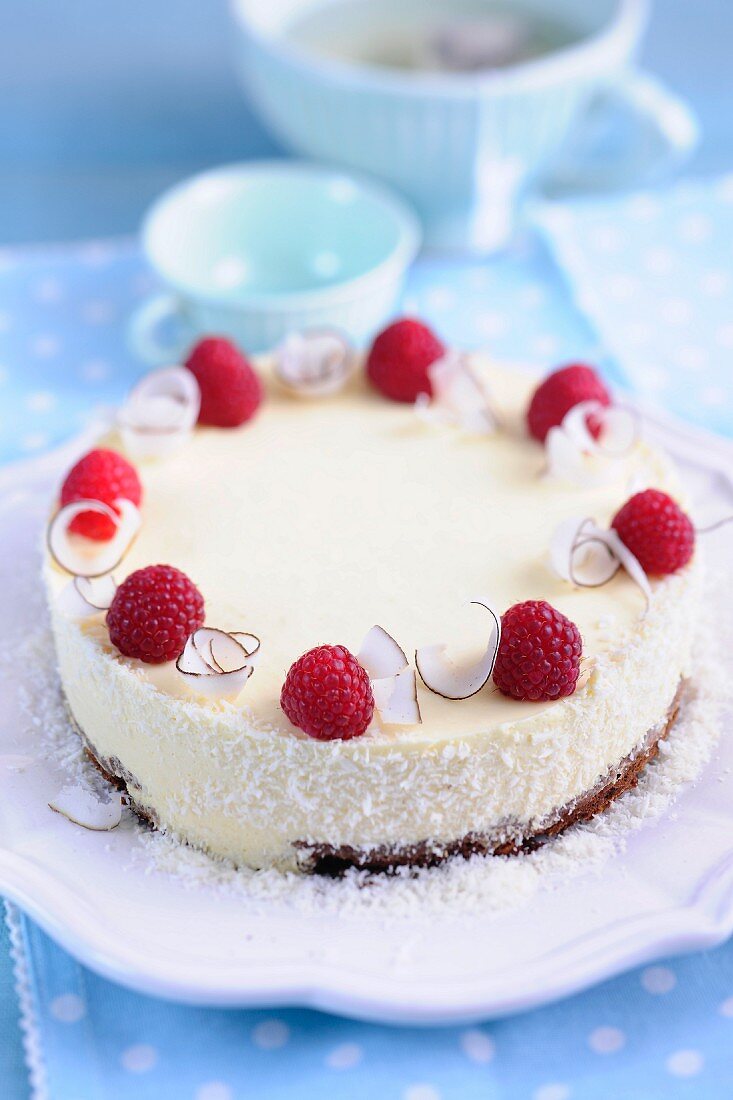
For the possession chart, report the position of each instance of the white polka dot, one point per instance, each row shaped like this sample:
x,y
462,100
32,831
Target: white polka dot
x,y
95,254
685,1063
690,358
440,297
546,344
48,291
45,345
606,1040
345,1056
213,1090
142,283
658,261
551,1091
532,296
326,264
95,370
695,228
712,396
140,1058
97,312
653,378
643,208
478,1046
658,980
606,238
478,279
40,401
726,1008
715,283
724,336
638,332
34,441
725,189
622,287
676,311
490,324
271,1034
230,272
421,1092
69,1008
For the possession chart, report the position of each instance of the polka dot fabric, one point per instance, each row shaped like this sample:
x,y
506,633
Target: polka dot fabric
x,y
653,276
661,1033
650,278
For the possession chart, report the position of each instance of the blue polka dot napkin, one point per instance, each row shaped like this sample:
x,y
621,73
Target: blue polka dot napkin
x,y
653,275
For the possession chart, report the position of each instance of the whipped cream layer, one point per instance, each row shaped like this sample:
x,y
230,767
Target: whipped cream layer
x,y
309,525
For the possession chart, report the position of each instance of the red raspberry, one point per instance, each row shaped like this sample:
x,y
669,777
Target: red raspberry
x,y
559,393
539,653
153,612
399,358
656,530
231,391
328,695
100,475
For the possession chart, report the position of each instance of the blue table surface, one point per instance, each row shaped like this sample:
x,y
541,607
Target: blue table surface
x,y
96,116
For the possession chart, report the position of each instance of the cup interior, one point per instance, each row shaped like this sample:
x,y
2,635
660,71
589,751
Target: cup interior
x,y
275,19
273,230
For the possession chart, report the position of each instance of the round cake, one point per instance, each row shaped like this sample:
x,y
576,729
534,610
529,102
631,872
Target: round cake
x,y
306,526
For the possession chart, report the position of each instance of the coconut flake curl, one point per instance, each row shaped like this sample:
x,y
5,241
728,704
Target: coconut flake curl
x,y
84,597
459,398
216,663
394,685
451,681
160,413
572,452
314,363
589,556
90,558
88,808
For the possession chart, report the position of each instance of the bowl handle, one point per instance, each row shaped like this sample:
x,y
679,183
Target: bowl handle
x,y
663,133
143,332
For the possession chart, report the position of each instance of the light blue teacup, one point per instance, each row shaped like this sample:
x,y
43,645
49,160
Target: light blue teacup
x,y
465,147
255,251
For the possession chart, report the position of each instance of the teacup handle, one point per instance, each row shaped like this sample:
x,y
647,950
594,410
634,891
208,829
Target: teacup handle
x,y
143,331
665,133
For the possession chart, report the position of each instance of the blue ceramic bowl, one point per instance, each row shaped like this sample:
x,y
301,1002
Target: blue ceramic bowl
x,y
256,250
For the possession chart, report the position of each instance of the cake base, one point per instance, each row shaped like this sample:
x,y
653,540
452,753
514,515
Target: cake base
x,y
332,860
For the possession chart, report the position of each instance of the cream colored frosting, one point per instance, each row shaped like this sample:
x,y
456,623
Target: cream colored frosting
x,y
311,524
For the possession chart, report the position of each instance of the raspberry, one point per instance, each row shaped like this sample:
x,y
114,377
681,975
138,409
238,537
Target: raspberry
x,y
100,475
328,695
539,653
559,392
656,531
153,612
399,358
231,391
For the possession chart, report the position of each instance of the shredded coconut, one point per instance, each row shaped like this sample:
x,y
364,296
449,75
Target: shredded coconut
x,y
485,884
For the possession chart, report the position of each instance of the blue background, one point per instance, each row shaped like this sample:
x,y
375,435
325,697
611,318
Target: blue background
x,y
101,105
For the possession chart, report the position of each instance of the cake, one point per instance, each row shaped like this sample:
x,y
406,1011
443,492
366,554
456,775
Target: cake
x,y
385,499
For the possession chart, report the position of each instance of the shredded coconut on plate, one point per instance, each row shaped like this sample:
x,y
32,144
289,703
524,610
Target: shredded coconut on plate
x,y
485,884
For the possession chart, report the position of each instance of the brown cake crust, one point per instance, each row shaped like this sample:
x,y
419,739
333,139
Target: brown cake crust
x,y
335,860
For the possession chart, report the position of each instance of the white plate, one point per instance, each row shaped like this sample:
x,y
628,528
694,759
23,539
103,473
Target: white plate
x,y
671,892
